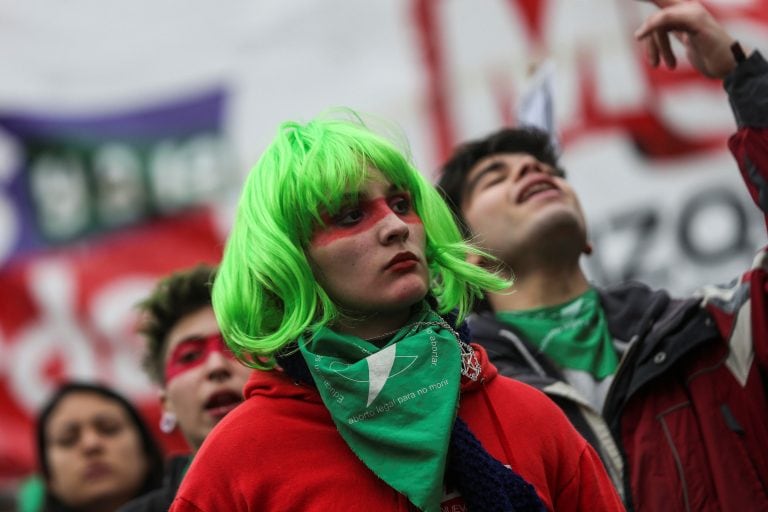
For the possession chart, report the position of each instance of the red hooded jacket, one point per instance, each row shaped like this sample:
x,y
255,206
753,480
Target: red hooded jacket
x,y
280,450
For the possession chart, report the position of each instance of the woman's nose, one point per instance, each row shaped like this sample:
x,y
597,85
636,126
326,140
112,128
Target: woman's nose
x,y
90,440
394,229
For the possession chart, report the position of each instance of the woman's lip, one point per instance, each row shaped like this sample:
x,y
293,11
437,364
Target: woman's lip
x,y
403,265
402,257
95,471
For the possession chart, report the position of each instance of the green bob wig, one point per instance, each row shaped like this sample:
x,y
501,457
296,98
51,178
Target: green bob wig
x,y
265,294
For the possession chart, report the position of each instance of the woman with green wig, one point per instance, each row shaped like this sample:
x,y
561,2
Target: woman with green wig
x,y
344,282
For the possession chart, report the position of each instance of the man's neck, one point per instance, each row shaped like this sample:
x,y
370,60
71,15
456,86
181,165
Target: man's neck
x,y
541,288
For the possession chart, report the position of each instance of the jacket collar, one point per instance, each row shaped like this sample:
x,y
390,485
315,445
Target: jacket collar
x,y
649,321
521,360
632,308
660,331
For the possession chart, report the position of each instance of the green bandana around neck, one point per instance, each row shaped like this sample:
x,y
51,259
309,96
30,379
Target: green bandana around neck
x,y
394,406
574,334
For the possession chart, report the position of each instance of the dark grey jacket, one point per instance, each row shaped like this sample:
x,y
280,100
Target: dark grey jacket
x,y
160,499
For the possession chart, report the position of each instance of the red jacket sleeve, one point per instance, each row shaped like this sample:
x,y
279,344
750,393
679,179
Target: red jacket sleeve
x,y
747,89
590,488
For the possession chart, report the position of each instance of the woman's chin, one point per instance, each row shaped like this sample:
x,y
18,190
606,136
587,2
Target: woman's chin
x,y
408,296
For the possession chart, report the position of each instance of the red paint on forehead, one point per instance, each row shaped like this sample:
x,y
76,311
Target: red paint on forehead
x,y
373,211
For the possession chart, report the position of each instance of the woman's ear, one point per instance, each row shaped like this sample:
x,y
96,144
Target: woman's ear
x,y
587,249
491,265
478,260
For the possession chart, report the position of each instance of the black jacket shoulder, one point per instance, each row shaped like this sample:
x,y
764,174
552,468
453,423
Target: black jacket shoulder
x,y
160,499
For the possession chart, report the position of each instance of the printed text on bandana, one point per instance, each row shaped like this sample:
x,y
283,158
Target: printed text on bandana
x,y
391,404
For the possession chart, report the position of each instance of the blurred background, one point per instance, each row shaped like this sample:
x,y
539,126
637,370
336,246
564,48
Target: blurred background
x,y
126,129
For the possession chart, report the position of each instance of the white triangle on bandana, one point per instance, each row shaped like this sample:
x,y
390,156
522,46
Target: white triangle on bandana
x,y
379,368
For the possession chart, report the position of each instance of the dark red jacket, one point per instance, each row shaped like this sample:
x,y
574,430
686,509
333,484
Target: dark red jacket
x,y
691,413
688,407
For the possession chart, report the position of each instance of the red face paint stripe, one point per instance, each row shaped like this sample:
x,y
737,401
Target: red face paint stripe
x,y
373,211
192,353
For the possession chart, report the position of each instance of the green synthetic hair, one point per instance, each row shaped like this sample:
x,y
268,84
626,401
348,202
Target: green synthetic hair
x,y
265,294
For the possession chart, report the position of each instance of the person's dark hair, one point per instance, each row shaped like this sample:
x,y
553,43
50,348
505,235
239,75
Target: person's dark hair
x,y
453,175
174,297
155,463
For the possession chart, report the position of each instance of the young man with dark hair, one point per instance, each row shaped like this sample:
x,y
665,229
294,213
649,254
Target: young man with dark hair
x,y
672,393
199,378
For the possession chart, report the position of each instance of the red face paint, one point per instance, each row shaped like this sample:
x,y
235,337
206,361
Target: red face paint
x,y
193,352
363,216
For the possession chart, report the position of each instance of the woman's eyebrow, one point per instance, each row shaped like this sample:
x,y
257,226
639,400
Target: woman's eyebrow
x,y
62,430
109,416
69,425
394,188
349,198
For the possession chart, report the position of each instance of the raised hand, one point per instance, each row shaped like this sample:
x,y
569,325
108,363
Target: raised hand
x,y
707,44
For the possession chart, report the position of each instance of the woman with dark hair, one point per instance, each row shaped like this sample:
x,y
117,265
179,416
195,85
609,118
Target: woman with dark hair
x,y
345,283
94,451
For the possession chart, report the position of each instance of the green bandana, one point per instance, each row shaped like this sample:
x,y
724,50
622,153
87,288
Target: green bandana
x,y
574,335
394,406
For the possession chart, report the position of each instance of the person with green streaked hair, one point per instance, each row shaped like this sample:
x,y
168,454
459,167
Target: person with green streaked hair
x,y
344,282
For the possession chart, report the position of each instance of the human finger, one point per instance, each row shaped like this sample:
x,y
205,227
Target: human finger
x,y
665,3
665,48
675,18
651,51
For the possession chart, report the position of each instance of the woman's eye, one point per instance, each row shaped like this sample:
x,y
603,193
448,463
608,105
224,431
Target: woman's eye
x,y
109,428
66,441
349,217
401,205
